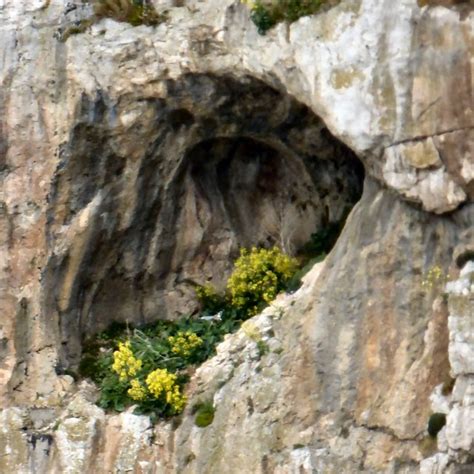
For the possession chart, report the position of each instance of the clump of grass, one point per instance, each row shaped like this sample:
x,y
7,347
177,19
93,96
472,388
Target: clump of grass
x,y
204,412
263,348
316,249
428,446
135,12
265,14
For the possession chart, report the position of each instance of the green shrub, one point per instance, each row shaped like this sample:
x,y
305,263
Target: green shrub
x,y
204,414
149,366
135,12
211,302
265,15
263,18
258,276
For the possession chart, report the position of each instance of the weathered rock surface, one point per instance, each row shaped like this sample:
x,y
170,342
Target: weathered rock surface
x,y
456,440
122,154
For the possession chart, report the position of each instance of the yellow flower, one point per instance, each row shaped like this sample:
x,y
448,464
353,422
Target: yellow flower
x,y
136,391
125,364
259,275
434,278
184,343
161,383
249,3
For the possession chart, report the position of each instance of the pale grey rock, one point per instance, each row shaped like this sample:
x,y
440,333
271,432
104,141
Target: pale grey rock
x,y
439,401
95,142
13,442
434,465
459,430
457,438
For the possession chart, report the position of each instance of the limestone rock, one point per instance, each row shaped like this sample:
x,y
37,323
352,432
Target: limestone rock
x,y
125,153
459,431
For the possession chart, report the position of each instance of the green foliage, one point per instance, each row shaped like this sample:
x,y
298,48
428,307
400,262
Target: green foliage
x,y
135,12
263,18
149,366
258,276
265,15
315,251
436,423
263,348
322,241
121,359
296,280
211,302
204,413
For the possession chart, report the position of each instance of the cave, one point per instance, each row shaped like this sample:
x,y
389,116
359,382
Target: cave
x,y
156,194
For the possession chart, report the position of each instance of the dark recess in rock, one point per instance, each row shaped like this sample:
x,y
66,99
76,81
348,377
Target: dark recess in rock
x,y
166,198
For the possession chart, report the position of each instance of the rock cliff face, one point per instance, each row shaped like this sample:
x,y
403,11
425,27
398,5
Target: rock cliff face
x,y
134,161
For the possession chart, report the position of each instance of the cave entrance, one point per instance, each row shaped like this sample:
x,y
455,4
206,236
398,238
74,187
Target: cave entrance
x,y
241,192
156,194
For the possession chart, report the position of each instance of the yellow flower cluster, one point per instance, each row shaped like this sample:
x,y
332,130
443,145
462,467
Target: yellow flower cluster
x,y
205,292
184,343
125,364
433,278
208,297
137,391
258,277
161,382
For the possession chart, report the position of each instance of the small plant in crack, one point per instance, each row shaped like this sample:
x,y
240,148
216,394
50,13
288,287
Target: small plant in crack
x,y
266,14
316,249
263,348
135,12
204,413
434,279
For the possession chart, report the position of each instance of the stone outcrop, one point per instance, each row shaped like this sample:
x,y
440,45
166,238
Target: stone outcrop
x,y
456,439
123,153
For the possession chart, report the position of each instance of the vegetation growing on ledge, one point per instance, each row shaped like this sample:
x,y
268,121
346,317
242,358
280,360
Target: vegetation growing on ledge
x,y
149,366
135,12
266,14
204,414
258,277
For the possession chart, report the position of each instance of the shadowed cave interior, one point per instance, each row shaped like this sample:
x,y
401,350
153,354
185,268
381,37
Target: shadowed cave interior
x,y
154,195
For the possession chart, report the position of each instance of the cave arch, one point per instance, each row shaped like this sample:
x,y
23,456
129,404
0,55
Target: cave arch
x,y
153,194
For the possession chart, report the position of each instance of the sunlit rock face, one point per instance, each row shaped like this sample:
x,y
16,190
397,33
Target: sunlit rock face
x,y
134,162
